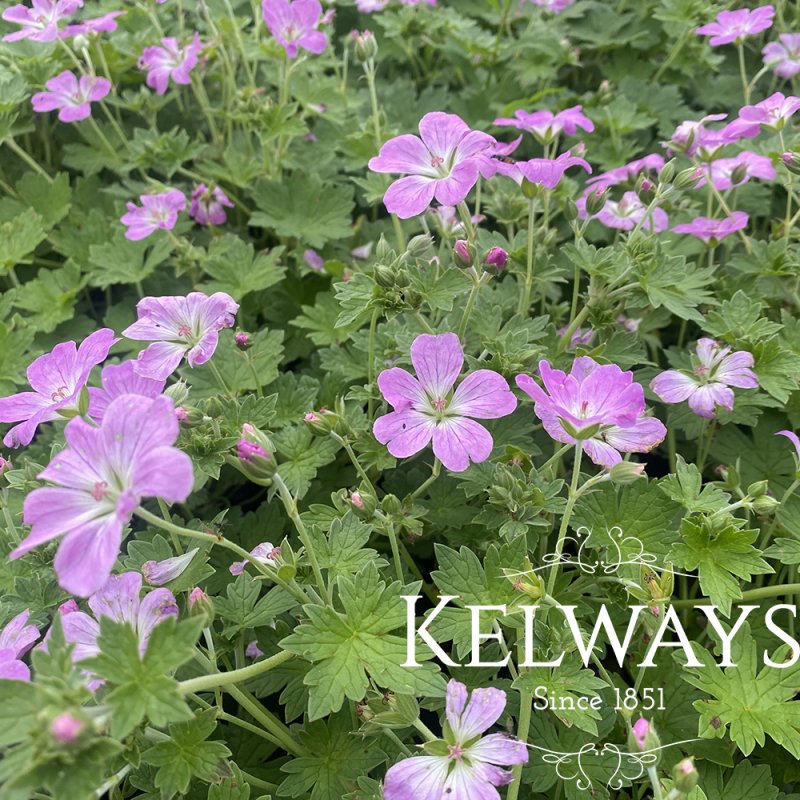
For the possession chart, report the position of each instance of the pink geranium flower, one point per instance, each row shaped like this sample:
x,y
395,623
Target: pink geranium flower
x,y
370,6
426,407
545,125
713,231
714,370
442,162
556,6
472,767
119,379
695,137
40,21
417,2
734,26
729,172
158,211
119,598
628,172
15,640
294,25
179,326
546,172
87,27
265,553
170,61
626,214
597,405
772,112
784,55
208,205
71,96
57,379
100,478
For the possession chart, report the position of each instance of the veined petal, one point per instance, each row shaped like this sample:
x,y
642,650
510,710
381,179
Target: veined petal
x,y
409,197
450,191
418,778
155,607
404,154
437,361
400,388
601,453
499,748
468,782
673,386
706,398
641,437
159,360
459,440
86,556
118,598
81,631
456,702
164,472
22,406
736,370
793,438
441,133
483,710
483,394
403,432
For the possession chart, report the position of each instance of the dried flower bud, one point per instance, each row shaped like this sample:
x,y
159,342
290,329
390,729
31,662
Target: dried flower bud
x,y
497,257
157,573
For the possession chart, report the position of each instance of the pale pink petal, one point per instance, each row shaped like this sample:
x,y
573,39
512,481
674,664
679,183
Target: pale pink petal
x,y
601,453
418,778
673,386
499,748
400,388
736,370
404,432
86,556
404,154
437,361
160,359
641,437
483,710
450,191
483,394
441,133
703,401
456,702
409,197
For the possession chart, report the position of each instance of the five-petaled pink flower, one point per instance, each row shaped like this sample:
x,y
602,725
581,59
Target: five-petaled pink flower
x,y
772,112
40,21
370,6
88,27
179,326
265,553
546,172
626,214
713,231
119,379
100,478
628,172
783,56
734,26
426,407
158,211
15,640
71,96
294,25
118,598
729,172
597,405
170,61
57,379
470,767
694,137
443,162
545,125
208,205
714,370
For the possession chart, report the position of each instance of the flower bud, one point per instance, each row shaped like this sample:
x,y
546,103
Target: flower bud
x,y
791,161
391,505
420,246
384,276
757,489
80,42
667,172
461,252
243,341
643,737
596,200
66,728
528,581
687,178
83,402
178,392
383,252
765,506
5,465
529,189
497,257
157,573
646,190
253,650
365,46
685,776
739,174
402,278
570,211
317,424
190,416
201,605
626,472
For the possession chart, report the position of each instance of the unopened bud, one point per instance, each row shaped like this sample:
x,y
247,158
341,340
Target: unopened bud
x,y
420,246
5,465
643,737
383,251
667,172
646,190
243,341
157,573
391,505
529,189
765,505
626,472
497,257
791,161
570,211
178,392
384,276
685,776
365,46
757,489
66,728
688,178
201,605
317,424
596,200
739,174
461,252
